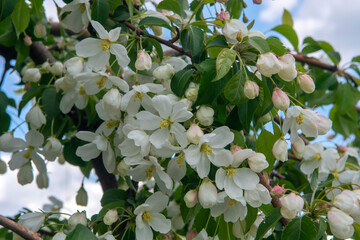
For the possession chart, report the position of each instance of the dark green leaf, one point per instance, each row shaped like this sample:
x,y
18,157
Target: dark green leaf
x,y
325,81
287,19
276,46
260,44
246,112
314,179
100,11
113,195
289,33
70,153
251,216
5,122
7,33
264,144
157,46
50,102
6,8
234,89
181,81
22,53
239,138
344,124
219,41
224,62
121,13
268,223
150,21
21,16
224,229
235,8
192,39
81,232
188,214
32,92
300,228
321,228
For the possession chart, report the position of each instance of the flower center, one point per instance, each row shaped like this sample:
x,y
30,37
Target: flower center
x,y
231,172
165,123
27,155
206,149
317,156
146,216
232,202
111,123
105,45
149,172
101,82
180,160
82,7
138,95
335,174
300,119
82,90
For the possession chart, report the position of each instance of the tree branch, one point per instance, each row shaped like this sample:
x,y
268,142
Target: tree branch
x,y
18,229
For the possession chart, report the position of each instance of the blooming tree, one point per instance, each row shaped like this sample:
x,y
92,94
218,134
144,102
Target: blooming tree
x,y
197,128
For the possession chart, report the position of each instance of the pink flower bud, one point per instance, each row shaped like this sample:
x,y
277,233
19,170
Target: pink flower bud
x,y
323,124
306,83
234,148
191,235
251,89
27,40
268,64
191,198
258,162
194,133
277,191
143,61
207,194
257,1
288,68
280,150
280,99
340,223
223,15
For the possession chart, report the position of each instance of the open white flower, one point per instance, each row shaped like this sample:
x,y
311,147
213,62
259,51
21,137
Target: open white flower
x,y
258,196
177,167
98,144
233,210
98,50
79,16
149,216
234,31
199,156
168,121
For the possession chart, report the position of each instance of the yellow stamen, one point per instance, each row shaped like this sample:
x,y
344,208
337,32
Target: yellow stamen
x,y
180,160
232,202
105,45
206,149
27,154
317,156
146,216
101,82
111,123
300,119
138,95
230,172
149,172
164,123
82,7
335,174
82,90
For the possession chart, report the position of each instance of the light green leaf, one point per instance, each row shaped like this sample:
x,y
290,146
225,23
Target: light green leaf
x,y
37,8
289,33
287,18
234,89
268,223
6,8
21,16
171,5
299,229
345,98
223,62
260,44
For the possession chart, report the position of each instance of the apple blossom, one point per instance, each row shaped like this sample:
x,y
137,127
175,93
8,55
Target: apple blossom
x,y
207,194
268,64
233,210
306,83
280,99
32,75
340,223
234,31
32,221
257,162
143,61
280,150
194,133
52,149
35,117
164,72
251,89
291,205
298,148
79,16
205,115
191,198
288,69
78,218
57,68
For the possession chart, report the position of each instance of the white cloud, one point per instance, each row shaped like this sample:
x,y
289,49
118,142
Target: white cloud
x,y
273,9
333,21
50,9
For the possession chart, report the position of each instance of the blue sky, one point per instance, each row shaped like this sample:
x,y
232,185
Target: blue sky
x,y
330,20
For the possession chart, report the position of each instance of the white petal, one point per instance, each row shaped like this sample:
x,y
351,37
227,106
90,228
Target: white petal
x,y
180,113
39,163
87,152
163,181
147,120
121,54
17,160
157,202
220,178
163,105
179,131
34,138
222,138
203,167
246,178
192,155
159,137
114,34
159,223
86,136
223,158
98,61
103,34
144,233
88,47
109,159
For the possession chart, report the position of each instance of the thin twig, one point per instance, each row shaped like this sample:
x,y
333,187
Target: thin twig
x,y
18,229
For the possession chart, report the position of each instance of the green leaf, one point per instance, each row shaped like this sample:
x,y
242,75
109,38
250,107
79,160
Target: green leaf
x,y
246,112
50,102
268,223
157,46
171,5
356,59
188,214
234,89
37,8
314,179
264,144
181,80
344,124
276,46
219,41
287,18
224,62
224,229
251,216
32,92
21,16
100,11
260,44
289,33
113,195
300,228
121,13
7,33
150,21
6,8
192,39
235,8
345,98
5,122
81,232
69,152
321,228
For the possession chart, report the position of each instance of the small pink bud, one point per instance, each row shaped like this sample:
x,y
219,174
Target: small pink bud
x,y
234,148
280,99
27,40
143,61
191,198
341,148
194,133
251,89
191,235
223,15
306,83
277,191
257,1
323,124
245,19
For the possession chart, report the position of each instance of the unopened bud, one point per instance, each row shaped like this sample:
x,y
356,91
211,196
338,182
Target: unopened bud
x,y
192,92
277,191
268,64
245,19
111,216
205,115
190,235
280,150
306,83
298,148
191,198
57,68
288,68
223,15
163,73
32,75
258,162
82,197
280,99
157,30
234,148
27,40
194,133
35,117
143,61
257,1
265,118
123,168
136,2
78,218
251,89
40,30
74,65
207,194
